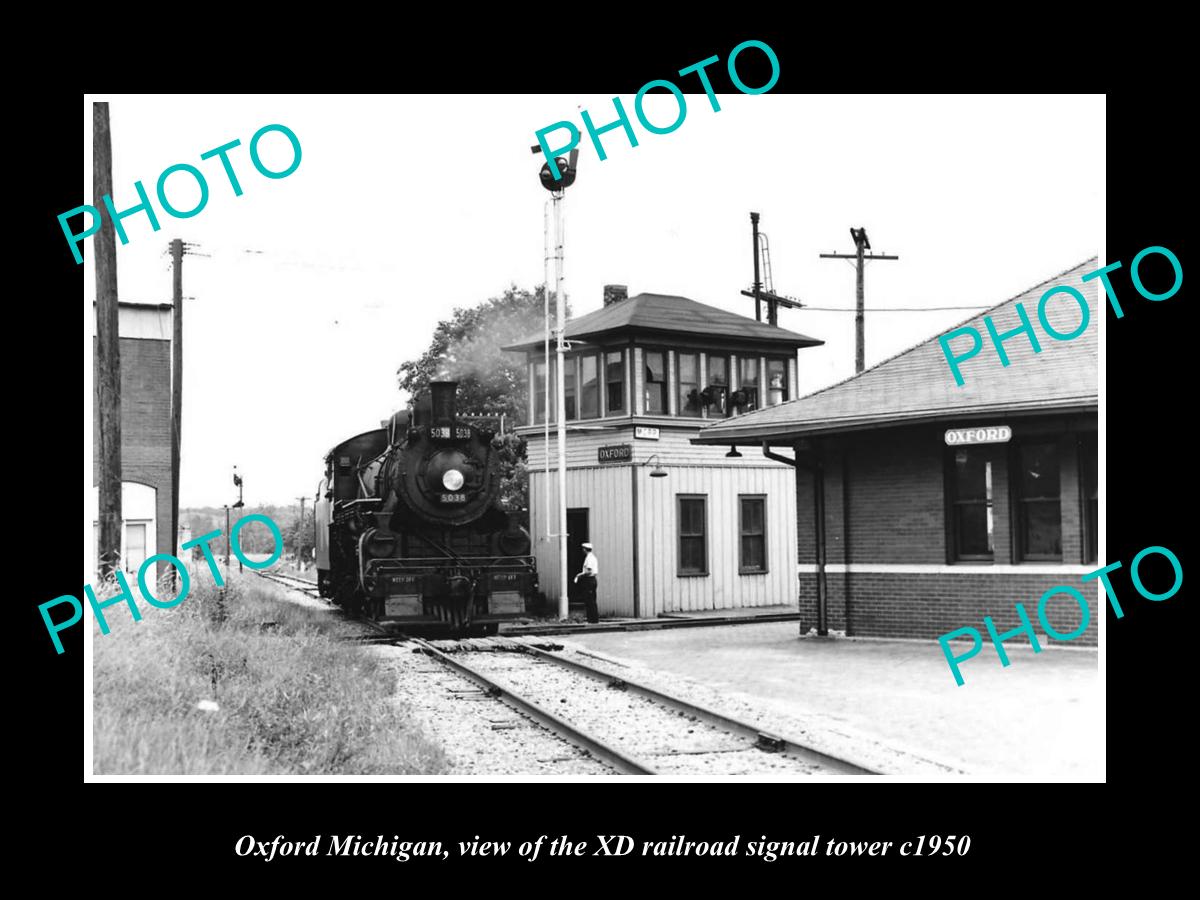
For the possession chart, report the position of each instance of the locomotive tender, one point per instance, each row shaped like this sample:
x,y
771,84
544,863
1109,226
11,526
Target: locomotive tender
x,y
409,531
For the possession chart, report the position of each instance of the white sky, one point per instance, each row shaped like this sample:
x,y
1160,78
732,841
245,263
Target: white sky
x,y
404,207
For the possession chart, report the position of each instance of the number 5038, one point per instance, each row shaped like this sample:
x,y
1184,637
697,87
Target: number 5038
x,y
930,845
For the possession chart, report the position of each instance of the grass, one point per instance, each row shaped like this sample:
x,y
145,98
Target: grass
x,y
291,699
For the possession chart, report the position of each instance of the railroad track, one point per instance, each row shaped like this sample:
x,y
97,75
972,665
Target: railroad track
x,y
302,585
637,729
632,727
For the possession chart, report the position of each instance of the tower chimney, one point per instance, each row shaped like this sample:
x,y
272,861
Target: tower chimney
x,y
615,293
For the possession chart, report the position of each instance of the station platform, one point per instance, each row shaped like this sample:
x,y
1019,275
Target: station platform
x,y
698,618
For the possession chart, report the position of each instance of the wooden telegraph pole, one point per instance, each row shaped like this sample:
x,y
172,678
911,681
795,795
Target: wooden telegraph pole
x,y
238,481
860,243
108,353
176,384
300,534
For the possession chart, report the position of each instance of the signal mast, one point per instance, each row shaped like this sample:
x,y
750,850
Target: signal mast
x,y
557,187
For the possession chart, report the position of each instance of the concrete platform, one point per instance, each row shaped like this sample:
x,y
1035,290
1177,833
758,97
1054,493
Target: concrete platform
x,y
699,618
1040,718
759,612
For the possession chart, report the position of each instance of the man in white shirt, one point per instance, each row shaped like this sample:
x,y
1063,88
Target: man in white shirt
x,y
591,568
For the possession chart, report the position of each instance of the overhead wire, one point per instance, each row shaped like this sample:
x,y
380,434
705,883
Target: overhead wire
x,y
893,309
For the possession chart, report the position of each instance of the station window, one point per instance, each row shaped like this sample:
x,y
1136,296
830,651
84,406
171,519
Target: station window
x,y
752,528
614,381
1089,493
656,383
589,387
538,390
777,386
693,534
717,392
748,382
972,523
1038,504
689,384
569,387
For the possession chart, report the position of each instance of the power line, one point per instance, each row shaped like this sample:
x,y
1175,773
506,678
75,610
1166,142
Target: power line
x,y
230,252
893,309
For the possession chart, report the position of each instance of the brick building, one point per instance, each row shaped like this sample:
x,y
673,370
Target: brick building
x,y
146,499
924,506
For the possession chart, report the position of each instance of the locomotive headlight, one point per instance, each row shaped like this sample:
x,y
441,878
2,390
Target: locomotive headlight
x,y
452,479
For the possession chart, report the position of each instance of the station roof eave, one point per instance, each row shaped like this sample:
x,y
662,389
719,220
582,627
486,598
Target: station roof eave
x,y
917,385
777,434
658,315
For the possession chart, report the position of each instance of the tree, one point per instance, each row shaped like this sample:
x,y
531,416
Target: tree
x,y
491,382
303,531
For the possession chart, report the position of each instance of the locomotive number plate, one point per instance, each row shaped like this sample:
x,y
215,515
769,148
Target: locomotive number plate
x,y
445,432
454,498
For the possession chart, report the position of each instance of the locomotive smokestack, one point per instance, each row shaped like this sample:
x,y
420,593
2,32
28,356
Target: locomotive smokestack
x,y
443,393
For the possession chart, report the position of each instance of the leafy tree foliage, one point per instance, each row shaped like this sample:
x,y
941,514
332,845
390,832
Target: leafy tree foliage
x,y
492,383
253,538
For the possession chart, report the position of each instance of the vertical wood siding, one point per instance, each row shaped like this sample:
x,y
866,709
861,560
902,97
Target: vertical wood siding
x,y
607,495
663,590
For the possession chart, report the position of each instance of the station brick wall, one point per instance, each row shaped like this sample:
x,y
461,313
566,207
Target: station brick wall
x,y
885,505
870,604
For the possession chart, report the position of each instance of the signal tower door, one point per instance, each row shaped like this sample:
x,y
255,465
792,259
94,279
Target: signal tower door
x,y
577,533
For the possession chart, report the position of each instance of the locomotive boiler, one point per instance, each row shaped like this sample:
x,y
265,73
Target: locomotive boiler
x,y
409,528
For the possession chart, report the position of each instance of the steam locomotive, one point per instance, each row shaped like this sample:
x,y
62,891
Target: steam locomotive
x,y
409,528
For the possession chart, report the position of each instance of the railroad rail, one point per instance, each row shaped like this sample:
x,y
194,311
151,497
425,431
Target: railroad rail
x,y
762,739
299,584
748,735
507,695
681,740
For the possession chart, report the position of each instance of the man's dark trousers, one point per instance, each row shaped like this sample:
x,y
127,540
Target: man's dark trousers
x,y
588,583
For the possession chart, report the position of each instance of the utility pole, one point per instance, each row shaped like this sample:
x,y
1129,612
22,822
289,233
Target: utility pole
x,y
757,283
763,289
107,373
860,243
300,534
176,382
237,479
228,544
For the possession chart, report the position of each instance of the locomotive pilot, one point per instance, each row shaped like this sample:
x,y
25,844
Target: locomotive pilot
x,y
591,568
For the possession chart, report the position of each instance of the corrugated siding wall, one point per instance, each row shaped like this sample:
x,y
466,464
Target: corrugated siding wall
x,y
606,491
673,447
607,495
663,590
